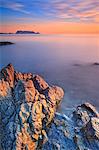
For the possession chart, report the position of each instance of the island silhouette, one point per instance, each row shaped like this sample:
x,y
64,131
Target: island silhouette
x,y
21,32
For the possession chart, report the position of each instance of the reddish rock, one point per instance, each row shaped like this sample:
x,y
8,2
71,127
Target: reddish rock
x,y
39,83
4,88
91,108
7,74
25,91
22,76
27,109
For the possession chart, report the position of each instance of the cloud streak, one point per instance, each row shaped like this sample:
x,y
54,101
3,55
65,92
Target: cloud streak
x,y
69,9
72,10
14,6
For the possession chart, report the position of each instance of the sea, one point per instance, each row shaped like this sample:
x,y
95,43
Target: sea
x,y
66,60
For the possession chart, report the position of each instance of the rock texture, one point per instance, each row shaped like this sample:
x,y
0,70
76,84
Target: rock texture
x,y
78,131
28,120
27,107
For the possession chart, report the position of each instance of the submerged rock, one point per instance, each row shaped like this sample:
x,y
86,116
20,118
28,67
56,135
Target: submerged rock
x,y
27,107
96,64
5,43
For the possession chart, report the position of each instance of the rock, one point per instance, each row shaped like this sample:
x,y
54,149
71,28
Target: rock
x,y
96,64
28,118
78,65
59,93
26,109
5,43
39,83
7,117
91,109
91,129
26,32
4,88
54,93
24,91
83,114
7,74
60,135
22,76
79,130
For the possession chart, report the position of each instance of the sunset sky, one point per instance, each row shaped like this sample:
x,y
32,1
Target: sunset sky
x,y
50,16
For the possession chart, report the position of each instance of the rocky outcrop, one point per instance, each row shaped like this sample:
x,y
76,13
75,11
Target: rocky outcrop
x,y
7,74
95,64
2,43
27,107
29,121
77,131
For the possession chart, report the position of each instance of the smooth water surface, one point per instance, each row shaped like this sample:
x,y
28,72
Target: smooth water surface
x,y
64,60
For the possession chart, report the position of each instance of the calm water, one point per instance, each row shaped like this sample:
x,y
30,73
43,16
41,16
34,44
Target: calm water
x,y
64,60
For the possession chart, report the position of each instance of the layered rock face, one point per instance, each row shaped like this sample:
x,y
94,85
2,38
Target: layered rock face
x,y
77,131
27,107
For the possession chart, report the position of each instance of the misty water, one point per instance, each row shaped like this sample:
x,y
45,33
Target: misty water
x,y
63,60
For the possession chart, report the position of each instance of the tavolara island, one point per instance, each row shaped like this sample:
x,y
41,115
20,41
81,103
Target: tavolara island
x,y
26,32
29,121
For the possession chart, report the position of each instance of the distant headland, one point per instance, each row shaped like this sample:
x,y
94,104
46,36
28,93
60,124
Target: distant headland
x,y
5,33
22,32
26,32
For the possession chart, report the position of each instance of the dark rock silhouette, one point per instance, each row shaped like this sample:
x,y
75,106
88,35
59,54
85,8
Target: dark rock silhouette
x,y
5,43
96,64
26,32
6,33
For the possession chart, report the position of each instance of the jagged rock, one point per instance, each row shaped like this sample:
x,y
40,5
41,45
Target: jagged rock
x,y
28,120
22,76
7,74
54,93
39,83
24,91
91,129
27,107
91,109
4,88
60,134
79,130
83,114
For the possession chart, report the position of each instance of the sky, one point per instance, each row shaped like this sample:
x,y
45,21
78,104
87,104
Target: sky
x,y
50,16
